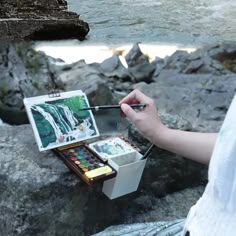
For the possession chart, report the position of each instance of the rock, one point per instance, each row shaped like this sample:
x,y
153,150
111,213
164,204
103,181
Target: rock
x,y
159,63
169,210
24,73
226,54
40,196
14,85
111,64
38,74
41,69
89,79
177,60
202,99
139,66
218,59
113,68
40,20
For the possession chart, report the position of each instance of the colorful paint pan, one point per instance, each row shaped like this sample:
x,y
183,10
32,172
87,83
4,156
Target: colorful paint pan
x,y
85,160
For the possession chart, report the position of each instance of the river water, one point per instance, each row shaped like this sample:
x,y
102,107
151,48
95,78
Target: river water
x,y
162,26
186,22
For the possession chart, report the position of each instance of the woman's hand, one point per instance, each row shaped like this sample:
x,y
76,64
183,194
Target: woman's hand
x,y
147,121
195,146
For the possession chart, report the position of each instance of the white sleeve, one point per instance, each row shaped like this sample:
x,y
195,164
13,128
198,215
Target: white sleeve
x,y
222,171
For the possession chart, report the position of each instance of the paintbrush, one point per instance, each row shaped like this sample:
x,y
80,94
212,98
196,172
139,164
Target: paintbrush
x,y
146,154
97,108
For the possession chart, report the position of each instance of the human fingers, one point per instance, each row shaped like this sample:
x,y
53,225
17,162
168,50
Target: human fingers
x,y
129,99
135,97
129,112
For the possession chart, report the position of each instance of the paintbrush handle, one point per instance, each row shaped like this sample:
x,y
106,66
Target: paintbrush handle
x,y
148,152
96,108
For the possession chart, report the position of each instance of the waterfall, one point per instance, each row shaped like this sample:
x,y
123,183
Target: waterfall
x,y
65,125
69,115
50,119
62,121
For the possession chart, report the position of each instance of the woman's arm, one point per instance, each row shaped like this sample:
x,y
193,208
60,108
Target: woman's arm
x,y
195,146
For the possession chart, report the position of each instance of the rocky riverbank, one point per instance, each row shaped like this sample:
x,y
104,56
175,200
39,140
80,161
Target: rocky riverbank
x,y
40,196
40,20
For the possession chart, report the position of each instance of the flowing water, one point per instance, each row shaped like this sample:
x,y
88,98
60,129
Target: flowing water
x,y
162,26
186,22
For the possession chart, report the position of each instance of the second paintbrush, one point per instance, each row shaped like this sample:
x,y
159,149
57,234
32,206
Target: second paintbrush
x,y
97,108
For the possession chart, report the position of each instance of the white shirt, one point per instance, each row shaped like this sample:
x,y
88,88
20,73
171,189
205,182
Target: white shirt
x,y
215,212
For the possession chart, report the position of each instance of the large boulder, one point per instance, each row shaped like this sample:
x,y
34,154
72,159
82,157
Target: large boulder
x,y
88,78
40,196
218,59
27,73
40,20
24,73
201,99
15,84
113,68
139,66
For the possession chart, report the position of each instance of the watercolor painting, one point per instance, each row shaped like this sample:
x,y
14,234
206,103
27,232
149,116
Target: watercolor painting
x,y
59,121
111,147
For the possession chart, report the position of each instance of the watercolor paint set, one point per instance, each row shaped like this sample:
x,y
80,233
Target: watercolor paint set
x,y
63,124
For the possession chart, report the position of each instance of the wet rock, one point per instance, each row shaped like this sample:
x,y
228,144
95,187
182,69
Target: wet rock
x,y
139,66
40,20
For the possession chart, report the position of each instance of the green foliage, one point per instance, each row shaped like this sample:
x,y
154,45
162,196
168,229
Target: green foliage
x,y
75,104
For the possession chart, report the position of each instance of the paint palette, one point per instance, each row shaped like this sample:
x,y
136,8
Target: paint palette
x,y
112,147
60,124
86,163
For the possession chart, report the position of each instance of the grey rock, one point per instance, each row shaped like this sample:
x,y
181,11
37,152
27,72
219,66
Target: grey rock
x,y
40,20
113,68
110,64
177,60
24,73
27,73
135,56
165,211
41,69
215,59
159,64
139,66
41,196
202,99
89,79
15,84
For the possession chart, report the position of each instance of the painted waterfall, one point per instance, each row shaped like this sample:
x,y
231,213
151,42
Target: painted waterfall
x,y
60,121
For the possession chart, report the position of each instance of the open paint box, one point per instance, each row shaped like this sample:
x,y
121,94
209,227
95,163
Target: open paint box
x,y
60,124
